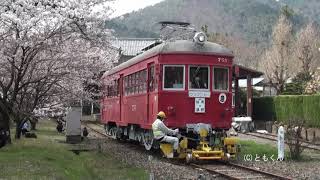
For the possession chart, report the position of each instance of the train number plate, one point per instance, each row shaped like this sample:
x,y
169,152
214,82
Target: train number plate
x,y
199,94
200,105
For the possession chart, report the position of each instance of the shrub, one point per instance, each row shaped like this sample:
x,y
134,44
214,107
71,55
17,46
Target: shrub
x,y
284,108
293,137
263,108
311,109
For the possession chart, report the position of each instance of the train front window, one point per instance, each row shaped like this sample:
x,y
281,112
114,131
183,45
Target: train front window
x,y
198,77
221,79
173,76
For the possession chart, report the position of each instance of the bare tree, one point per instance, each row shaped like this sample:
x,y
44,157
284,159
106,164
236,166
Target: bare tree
x,y
244,53
307,48
277,62
293,137
47,50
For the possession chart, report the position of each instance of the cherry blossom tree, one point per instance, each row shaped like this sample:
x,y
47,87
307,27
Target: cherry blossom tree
x,y
48,49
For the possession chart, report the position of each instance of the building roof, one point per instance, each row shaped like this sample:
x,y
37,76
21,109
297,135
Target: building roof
x,y
178,46
242,72
132,46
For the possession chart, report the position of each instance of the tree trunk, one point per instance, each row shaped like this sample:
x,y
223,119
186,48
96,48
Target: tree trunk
x,y
19,119
33,125
5,124
34,122
18,130
9,137
8,132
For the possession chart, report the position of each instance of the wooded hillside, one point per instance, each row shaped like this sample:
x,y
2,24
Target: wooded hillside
x,y
251,20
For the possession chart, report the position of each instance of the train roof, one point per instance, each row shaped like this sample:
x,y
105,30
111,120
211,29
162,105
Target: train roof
x,y
178,47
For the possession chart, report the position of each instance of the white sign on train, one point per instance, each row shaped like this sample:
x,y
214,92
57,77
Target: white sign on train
x,y
199,94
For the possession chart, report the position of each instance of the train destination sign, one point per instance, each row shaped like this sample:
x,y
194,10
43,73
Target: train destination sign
x,y
199,94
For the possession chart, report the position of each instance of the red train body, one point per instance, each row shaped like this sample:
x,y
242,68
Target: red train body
x,y
191,83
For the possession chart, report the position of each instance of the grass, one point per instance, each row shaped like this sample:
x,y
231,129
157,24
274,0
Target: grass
x,y
253,148
45,158
257,149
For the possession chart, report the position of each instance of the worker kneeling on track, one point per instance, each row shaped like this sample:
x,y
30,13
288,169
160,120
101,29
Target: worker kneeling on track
x,y
161,132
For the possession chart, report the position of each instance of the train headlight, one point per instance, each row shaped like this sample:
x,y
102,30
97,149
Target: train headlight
x,y
200,38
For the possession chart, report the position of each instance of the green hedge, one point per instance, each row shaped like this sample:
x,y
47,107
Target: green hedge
x,y
263,109
283,108
311,109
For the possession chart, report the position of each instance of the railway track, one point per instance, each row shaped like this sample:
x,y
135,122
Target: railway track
x,y
226,170
275,136
236,172
96,129
272,137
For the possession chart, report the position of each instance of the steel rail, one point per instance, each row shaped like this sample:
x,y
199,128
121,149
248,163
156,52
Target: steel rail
x,y
302,140
213,171
238,168
95,130
258,171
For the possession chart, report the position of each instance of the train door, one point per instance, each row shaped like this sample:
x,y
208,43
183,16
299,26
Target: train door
x,y
151,99
150,91
223,95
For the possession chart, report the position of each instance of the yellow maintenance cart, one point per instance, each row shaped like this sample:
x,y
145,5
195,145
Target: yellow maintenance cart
x,y
224,150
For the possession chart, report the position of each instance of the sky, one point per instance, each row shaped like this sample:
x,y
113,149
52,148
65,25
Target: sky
x,y
126,6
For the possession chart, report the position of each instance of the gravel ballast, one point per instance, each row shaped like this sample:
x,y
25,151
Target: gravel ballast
x,y
157,166
162,168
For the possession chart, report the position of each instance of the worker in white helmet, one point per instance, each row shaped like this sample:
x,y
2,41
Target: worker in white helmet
x,y
161,132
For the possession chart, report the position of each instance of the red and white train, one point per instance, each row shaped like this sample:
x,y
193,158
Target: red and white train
x,y
191,81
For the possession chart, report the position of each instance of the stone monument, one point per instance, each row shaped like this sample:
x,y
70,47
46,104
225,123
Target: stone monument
x,y
73,124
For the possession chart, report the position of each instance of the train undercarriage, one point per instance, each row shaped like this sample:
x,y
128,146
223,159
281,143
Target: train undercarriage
x,y
196,141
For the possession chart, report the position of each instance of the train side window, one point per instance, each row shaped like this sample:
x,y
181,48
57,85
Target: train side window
x,y
137,83
134,83
233,99
113,89
105,90
136,91
118,88
173,76
144,81
198,77
114,84
221,79
130,84
108,91
141,82
152,84
125,87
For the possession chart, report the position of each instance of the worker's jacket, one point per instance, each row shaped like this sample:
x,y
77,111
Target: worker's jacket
x,y
160,130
